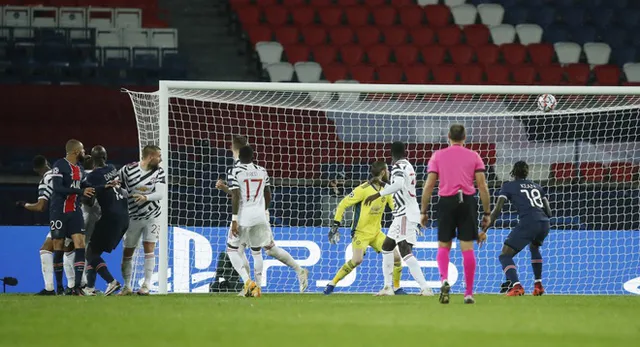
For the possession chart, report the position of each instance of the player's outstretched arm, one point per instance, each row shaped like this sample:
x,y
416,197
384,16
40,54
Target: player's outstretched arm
x,y
39,206
495,213
547,207
429,185
396,185
220,184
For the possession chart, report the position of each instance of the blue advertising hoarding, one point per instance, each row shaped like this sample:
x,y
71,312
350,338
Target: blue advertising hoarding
x,y
575,262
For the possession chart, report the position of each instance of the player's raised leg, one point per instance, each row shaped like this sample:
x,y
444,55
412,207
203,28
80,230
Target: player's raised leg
x,y
286,258
509,269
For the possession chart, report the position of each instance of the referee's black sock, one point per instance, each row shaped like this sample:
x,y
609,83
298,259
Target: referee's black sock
x,y
509,267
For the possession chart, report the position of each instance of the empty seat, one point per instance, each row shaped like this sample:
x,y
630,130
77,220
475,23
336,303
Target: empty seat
x,y
542,15
303,15
417,74
422,36
341,35
632,72
276,15
574,16
384,15
551,75
378,55
374,3
523,74
577,74
280,72
597,53
623,55
287,35
607,75
390,74
567,52
461,54
128,18
16,16
529,33
513,53
541,53
259,33
394,35
503,33
433,54
330,15
351,54
334,72
320,3
593,171
628,18
487,54
449,35
470,74
516,15
73,17
452,3
356,15
367,35
269,52
476,34
497,74
400,3
164,38
411,16
616,37
291,3
491,14
362,73
444,74
584,34
347,2
324,54
406,54
464,14
108,38
556,33
563,171
308,71
265,3
623,172
103,18
135,37
437,15
602,17
44,17
314,35
427,2
297,53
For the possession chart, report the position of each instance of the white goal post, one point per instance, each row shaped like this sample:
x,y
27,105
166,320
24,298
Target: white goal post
x,y
317,139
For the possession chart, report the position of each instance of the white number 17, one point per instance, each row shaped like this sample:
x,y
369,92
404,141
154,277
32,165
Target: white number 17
x,y
535,198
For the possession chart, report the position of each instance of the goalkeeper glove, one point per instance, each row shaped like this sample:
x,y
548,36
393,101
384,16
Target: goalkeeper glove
x,y
334,233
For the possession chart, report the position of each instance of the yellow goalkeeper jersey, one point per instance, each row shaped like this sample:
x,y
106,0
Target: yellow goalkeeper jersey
x,y
366,219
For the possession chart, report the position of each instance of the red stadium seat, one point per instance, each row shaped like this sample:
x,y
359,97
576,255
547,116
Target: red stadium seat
x,y
399,3
563,171
287,35
351,54
497,74
296,53
437,15
347,2
411,16
385,15
541,54
417,74
577,74
259,33
320,3
513,53
276,15
470,74
341,35
324,54
314,35
433,55
593,172
356,15
292,3
394,36
476,34
334,72
406,54
303,15
461,54
362,73
623,172
607,75
523,74
551,75
265,3
390,74
330,15
422,36
368,35
487,54
444,74
378,55
248,15
373,3
449,35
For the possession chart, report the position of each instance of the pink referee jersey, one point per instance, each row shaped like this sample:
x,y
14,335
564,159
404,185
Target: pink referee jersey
x,y
456,167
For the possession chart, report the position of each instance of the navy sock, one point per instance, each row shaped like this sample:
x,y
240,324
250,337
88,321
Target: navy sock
x,y
58,265
91,276
103,271
536,263
509,267
78,266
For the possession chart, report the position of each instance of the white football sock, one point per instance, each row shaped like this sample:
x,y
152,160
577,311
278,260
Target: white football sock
x,y
236,262
245,260
46,262
127,270
387,268
284,257
258,264
415,270
69,271
149,266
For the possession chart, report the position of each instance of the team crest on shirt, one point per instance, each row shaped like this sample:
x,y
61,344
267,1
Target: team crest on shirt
x,y
352,195
55,170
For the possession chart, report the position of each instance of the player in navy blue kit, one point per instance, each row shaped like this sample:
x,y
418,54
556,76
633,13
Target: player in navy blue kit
x,y
112,224
65,215
533,226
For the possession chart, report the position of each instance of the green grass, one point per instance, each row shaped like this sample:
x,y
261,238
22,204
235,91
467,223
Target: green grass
x,y
315,320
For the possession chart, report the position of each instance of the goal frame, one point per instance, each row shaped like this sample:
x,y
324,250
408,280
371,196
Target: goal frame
x,y
164,96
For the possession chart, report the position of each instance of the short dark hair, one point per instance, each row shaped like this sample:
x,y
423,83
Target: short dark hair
x,y
398,150
377,168
457,132
520,169
88,163
39,162
238,141
149,150
246,154
72,145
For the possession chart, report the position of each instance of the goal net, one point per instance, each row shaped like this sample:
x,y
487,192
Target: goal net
x,y
317,141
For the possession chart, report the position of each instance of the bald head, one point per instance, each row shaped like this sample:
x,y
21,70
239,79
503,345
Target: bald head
x,y
99,155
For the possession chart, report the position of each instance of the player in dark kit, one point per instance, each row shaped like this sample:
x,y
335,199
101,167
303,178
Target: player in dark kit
x,y
533,226
65,215
113,223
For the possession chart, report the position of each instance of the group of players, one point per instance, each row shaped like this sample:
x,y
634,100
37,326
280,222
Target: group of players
x,y
92,206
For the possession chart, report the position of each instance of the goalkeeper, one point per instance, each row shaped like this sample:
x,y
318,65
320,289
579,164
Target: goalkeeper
x,y
366,229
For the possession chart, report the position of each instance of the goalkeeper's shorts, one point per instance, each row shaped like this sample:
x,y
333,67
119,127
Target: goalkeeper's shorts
x,y
362,240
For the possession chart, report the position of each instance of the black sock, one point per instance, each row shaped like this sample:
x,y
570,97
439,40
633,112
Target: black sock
x,y
78,265
509,267
102,270
91,276
536,263
58,265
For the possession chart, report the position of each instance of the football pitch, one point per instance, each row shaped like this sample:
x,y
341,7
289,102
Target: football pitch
x,y
317,320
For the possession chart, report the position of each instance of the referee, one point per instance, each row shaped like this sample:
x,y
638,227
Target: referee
x,y
456,167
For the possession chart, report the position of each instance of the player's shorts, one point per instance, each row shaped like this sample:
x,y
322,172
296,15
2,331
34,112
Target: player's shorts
x,y
109,230
67,241
66,224
402,229
148,229
527,233
235,241
457,219
258,235
363,240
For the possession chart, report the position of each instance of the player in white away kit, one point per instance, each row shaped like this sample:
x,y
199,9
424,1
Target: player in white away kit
x,y
145,183
251,196
91,215
406,221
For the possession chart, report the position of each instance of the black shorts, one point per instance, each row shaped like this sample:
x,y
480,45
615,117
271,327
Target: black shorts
x,y
457,219
527,232
66,224
108,232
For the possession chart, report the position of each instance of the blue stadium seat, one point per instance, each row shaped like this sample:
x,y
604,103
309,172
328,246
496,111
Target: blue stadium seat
x,y
591,3
174,66
616,37
618,3
332,171
584,34
359,172
623,55
574,16
556,33
628,18
516,15
543,16
563,3
635,39
602,17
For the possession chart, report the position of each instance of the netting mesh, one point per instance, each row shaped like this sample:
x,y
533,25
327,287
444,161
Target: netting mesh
x,y
317,146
